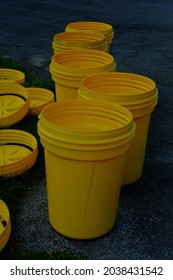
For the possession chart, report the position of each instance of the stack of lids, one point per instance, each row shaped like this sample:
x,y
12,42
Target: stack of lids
x,y
18,149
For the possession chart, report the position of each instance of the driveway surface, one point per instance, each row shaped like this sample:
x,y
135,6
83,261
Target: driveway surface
x,y
143,44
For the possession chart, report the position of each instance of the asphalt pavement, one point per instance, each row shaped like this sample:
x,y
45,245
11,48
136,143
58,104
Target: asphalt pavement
x,y
143,45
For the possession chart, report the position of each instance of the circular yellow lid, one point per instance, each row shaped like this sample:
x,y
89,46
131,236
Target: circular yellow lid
x,y
14,103
12,76
9,104
12,153
18,151
5,224
39,98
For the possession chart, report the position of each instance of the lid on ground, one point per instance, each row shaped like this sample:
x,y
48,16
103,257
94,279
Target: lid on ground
x,y
39,98
12,76
18,151
5,224
14,103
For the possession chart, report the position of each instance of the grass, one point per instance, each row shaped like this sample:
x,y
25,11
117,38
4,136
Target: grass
x,y
12,189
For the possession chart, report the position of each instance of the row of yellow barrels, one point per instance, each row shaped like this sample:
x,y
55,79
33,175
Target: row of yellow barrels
x,y
94,136
93,146
91,74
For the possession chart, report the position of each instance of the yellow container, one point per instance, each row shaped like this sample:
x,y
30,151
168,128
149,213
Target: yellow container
x,y
85,144
99,27
18,151
5,225
11,76
14,103
79,40
139,95
68,68
39,98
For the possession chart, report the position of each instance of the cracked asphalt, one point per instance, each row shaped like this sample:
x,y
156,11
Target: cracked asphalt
x,y
143,45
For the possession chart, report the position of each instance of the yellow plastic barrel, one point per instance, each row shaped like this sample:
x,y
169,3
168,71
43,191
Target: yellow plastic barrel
x,y
139,95
79,40
85,144
99,27
14,103
39,98
18,151
11,76
5,224
68,68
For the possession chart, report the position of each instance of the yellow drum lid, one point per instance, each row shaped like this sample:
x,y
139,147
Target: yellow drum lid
x,y
9,104
12,153
14,103
5,224
39,98
18,151
11,75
